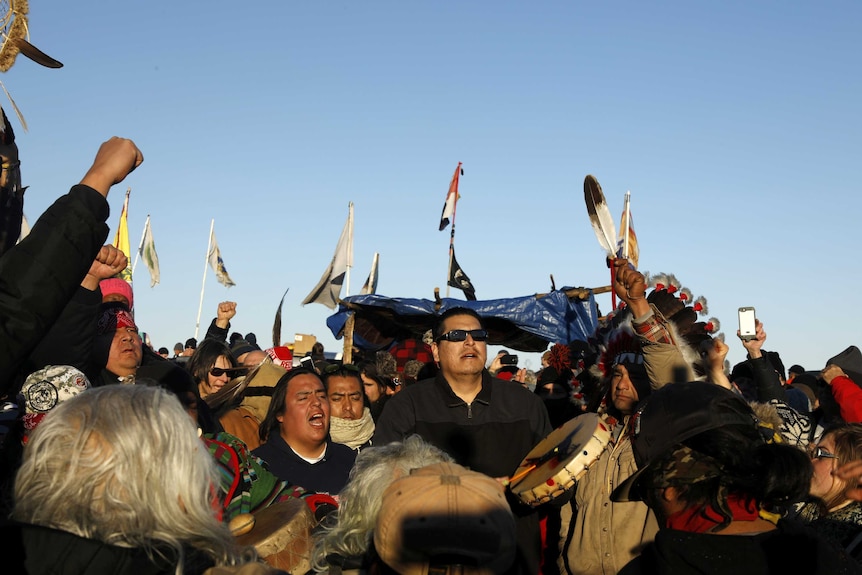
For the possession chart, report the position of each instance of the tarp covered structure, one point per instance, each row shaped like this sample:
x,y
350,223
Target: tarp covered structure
x,y
526,323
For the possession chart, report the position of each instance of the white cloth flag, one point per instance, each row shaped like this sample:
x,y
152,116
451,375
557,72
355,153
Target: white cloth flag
x,y
328,289
147,251
217,264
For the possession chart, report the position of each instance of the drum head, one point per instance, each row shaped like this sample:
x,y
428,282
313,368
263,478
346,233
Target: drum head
x,y
566,442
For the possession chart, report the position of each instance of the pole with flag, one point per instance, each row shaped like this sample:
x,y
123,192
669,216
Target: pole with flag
x,y
121,240
337,274
449,214
214,261
147,251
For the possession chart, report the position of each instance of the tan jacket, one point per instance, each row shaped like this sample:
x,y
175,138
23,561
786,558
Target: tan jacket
x,y
606,535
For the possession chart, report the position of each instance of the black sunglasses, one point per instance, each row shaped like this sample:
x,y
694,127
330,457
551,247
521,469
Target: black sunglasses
x,y
461,335
219,371
340,368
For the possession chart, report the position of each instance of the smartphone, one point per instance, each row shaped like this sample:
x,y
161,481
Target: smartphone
x,y
509,359
307,363
747,323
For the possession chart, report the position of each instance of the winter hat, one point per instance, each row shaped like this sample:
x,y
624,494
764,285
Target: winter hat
x,y
242,347
444,515
45,388
117,286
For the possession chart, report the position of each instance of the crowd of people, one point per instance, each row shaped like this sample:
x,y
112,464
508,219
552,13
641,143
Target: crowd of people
x,y
125,459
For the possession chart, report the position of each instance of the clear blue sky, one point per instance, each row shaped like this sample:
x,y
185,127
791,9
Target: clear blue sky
x,y
736,126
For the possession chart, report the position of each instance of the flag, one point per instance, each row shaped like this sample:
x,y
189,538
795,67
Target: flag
x,y
147,251
458,279
217,264
121,240
451,199
371,283
328,289
627,230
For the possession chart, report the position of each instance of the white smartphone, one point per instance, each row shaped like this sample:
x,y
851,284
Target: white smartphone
x,y
747,323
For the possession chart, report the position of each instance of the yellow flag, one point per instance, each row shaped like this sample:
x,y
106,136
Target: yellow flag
x,y
121,240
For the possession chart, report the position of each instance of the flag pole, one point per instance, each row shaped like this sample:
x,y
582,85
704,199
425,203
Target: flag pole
x,y
141,245
204,283
347,346
452,233
349,249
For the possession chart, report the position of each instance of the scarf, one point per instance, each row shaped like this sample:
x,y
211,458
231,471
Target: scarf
x,y
352,432
704,519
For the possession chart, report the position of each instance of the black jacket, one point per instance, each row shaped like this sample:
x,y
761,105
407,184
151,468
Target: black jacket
x,y
39,276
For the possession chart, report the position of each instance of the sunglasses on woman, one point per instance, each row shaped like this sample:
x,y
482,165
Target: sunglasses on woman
x,y
820,453
218,371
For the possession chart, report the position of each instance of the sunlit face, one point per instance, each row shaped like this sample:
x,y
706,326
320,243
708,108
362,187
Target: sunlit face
x,y
304,423
372,390
214,383
345,397
623,392
460,358
823,484
125,354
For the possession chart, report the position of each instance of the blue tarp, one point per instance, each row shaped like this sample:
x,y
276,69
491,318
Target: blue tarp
x,y
526,323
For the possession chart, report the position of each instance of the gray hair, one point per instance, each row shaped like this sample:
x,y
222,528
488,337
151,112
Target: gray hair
x,y
360,500
123,464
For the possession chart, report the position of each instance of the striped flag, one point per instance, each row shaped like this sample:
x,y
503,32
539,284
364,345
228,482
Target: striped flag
x,y
217,264
147,251
121,240
451,199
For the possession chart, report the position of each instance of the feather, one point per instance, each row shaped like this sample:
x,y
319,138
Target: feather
x,y
685,295
600,215
700,305
659,281
36,54
276,324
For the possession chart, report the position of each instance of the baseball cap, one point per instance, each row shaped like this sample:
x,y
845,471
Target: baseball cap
x,y
675,413
445,515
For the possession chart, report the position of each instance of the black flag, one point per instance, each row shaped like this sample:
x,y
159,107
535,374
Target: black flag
x,y
459,280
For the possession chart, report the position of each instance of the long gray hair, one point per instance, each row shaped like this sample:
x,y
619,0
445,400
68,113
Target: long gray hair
x,y
123,464
360,500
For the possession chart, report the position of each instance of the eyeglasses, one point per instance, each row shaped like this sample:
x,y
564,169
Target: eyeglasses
x,y
218,371
461,335
340,367
820,453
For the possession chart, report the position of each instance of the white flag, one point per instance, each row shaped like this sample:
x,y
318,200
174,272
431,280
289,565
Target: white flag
x,y
371,283
217,264
328,289
147,251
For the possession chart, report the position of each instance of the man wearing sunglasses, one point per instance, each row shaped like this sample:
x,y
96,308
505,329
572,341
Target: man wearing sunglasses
x,y
484,423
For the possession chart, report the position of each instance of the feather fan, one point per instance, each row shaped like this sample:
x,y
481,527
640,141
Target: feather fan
x,y
600,215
